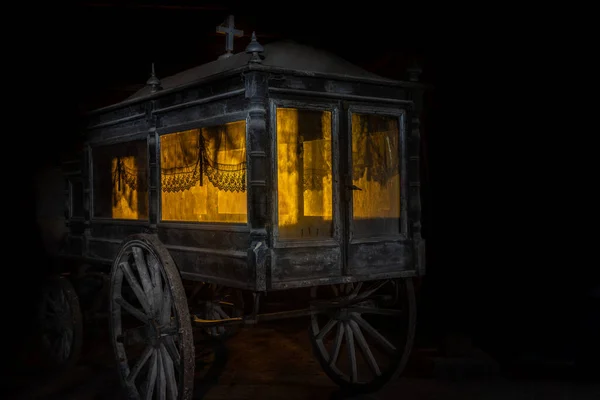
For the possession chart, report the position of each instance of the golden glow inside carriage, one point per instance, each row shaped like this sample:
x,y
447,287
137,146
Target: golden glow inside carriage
x,y
126,197
376,171
203,175
304,173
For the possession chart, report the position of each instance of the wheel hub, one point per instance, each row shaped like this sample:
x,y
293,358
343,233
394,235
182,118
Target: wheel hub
x,y
342,314
153,333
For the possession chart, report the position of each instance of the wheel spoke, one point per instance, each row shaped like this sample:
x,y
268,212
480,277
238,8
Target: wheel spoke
x,y
330,324
351,354
370,291
356,290
152,372
68,340
142,268
64,347
381,340
364,347
217,316
170,373
154,268
161,387
148,351
63,300
335,290
173,352
378,311
54,307
165,311
135,286
337,345
131,309
219,311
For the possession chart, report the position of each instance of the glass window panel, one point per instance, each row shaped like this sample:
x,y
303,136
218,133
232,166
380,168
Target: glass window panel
x,y
120,180
203,174
376,172
304,174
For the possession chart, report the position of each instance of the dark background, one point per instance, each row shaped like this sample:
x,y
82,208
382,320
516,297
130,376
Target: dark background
x,y
502,265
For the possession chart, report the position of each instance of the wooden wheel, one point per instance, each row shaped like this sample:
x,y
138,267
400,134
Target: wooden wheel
x,y
150,326
364,334
61,324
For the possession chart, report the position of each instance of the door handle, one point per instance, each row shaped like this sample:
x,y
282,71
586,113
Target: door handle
x,y
352,187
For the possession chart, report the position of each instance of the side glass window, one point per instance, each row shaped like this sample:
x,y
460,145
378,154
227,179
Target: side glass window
x,y
120,180
203,174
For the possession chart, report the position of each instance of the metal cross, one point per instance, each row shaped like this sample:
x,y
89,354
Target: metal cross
x,y
230,32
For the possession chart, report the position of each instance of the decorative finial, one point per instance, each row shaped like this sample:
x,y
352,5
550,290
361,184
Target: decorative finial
x,y
414,71
230,32
153,81
255,49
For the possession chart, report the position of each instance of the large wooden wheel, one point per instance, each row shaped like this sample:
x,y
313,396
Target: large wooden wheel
x,y
150,326
363,333
60,324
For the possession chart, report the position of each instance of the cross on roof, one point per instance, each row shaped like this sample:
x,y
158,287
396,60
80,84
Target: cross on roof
x,y
230,32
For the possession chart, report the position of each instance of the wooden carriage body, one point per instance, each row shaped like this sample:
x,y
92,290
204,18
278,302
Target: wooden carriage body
x,y
266,109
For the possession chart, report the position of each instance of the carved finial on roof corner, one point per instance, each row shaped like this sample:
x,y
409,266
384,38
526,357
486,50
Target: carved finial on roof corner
x,y
255,49
153,81
414,72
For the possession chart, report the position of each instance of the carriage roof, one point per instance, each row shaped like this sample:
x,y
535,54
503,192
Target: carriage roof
x,y
284,56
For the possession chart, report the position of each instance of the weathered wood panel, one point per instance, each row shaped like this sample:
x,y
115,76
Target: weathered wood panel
x,y
117,115
230,270
119,133
213,112
294,264
103,249
195,95
217,238
379,257
117,230
311,86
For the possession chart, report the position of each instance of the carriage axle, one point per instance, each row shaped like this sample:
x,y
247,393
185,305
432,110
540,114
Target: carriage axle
x,y
251,320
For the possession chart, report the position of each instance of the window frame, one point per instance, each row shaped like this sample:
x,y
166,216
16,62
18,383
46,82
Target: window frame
x,y
400,114
92,171
205,225
334,108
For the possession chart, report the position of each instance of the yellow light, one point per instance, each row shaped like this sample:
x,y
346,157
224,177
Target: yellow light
x,y
376,171
125,197
225,146
304,173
